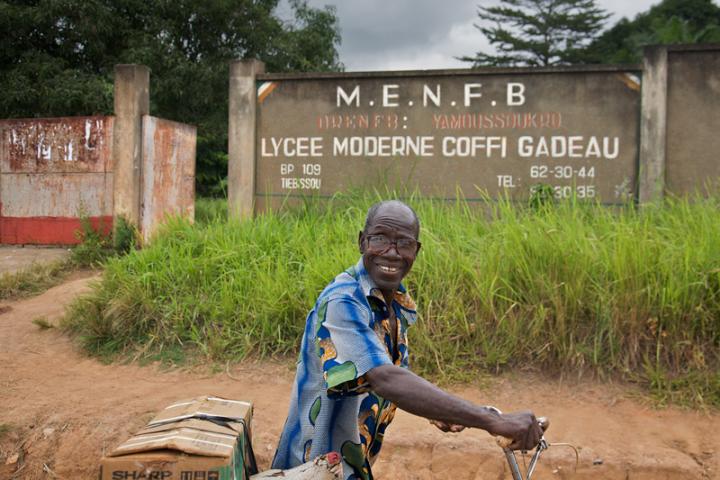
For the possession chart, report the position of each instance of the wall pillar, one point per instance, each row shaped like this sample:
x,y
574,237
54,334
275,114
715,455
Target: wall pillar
x,y
241,137
653,124
132,101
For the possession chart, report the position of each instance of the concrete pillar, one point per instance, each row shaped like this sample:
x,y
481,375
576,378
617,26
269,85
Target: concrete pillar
x,y
653,124
132,101
241,137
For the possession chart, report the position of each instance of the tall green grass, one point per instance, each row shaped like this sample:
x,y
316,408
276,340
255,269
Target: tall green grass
x,y
561,288
209,210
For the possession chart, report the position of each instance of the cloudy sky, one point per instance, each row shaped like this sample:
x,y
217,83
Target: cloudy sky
x,y
423,34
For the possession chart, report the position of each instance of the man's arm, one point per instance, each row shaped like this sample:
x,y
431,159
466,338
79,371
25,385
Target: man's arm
x,y
420,397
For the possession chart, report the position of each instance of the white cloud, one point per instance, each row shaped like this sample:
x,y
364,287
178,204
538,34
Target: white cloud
x,y
423,34
437,51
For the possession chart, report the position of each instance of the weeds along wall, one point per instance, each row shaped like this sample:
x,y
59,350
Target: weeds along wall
x,y
56,171
618,134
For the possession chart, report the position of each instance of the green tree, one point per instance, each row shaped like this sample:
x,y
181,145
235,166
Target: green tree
x,y
537,32
57,57
669,22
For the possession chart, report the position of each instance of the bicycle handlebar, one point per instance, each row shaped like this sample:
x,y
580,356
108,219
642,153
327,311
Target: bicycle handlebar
x,y
505,442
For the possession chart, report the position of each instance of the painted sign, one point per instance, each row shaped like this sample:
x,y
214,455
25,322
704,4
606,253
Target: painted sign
x,y
445,134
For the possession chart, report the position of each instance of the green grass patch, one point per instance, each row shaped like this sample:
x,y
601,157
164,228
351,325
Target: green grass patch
x,y
42,323
33,280
96,247
698,387
565,287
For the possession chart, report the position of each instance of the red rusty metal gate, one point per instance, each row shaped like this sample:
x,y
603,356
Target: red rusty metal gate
x,y
52,172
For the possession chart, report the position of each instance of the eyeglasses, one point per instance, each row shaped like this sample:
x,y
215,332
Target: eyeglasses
x,y
381,243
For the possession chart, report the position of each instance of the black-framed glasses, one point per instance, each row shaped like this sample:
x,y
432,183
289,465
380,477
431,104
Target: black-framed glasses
x,y
403,245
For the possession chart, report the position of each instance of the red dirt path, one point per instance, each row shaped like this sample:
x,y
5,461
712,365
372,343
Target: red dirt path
x,y
62,410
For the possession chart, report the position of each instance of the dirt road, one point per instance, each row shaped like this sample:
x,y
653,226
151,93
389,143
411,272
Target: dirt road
x,y
61,410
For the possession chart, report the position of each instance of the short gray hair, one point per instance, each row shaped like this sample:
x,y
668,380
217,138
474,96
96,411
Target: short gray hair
x,y
372,211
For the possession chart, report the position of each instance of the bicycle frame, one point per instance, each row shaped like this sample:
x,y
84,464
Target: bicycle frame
x,y
504,443
513,463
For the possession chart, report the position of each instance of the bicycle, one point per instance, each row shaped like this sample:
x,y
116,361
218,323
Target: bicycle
x,y
328,466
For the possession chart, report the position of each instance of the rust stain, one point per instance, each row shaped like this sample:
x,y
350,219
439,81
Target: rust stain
x,y
170,170
69,144
166,178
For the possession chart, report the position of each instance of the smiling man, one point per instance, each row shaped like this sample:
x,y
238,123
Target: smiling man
x,y
353,368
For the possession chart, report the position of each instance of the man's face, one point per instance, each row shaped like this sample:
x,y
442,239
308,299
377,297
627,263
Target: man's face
x,y
386,260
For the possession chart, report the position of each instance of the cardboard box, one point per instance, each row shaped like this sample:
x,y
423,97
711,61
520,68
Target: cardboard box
x,y
205,438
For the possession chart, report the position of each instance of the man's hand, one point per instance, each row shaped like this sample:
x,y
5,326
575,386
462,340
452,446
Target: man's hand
x,y
522,427
447,427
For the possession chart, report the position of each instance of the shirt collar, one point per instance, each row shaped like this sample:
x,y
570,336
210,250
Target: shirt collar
x,y
366,282
402,297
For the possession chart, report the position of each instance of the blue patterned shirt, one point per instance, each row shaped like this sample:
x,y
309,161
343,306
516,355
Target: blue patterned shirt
x,y
347,333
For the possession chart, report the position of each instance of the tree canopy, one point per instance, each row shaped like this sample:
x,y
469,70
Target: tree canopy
x,y
537,32
669,22
57,57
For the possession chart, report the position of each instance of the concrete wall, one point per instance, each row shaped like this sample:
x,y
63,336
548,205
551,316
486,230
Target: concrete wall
x,y
132,101
241,136
617,134
692,147
169,172
55,170
52,171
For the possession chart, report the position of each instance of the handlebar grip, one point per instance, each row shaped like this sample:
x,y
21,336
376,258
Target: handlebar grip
x,y
505,442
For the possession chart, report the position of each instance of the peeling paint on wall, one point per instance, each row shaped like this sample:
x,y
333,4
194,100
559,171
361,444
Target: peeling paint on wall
x,y
53,171
73,144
